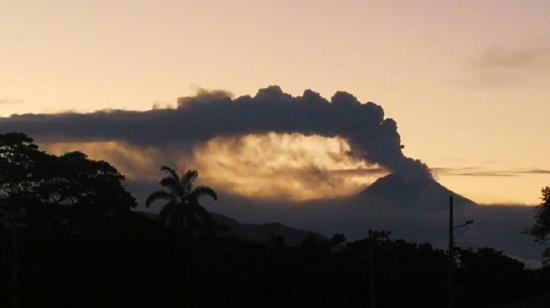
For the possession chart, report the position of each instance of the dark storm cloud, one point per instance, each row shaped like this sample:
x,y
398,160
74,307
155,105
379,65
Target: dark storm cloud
x,y
215,114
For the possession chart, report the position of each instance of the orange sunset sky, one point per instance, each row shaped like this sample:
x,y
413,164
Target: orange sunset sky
x,y
466,81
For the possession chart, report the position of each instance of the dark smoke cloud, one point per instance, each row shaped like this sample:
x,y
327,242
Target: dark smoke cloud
x,y
213,114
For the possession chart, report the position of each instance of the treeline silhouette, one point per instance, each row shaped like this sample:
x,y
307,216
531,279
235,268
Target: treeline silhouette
x,y
69,238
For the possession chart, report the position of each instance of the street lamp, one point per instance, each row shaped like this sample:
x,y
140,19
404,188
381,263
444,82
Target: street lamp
x,y
451,261
468,222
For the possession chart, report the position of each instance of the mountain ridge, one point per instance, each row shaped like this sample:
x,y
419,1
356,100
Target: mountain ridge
x,y
258,232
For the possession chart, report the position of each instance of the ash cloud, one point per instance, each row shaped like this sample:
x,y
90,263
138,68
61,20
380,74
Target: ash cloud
x,y
210,114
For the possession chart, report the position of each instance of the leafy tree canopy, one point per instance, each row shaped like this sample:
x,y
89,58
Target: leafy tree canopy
x,y
34,180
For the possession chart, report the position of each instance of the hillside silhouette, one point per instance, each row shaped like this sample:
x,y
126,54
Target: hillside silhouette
x,y
231,228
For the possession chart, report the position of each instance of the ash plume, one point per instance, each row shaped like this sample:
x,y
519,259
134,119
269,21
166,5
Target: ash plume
x,y
200,118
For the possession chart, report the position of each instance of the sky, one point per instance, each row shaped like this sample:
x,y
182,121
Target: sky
x,y
466,81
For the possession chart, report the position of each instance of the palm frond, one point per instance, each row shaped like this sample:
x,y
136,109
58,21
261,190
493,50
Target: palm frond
x,y
158,195
201,191
188,178
171,171
172,184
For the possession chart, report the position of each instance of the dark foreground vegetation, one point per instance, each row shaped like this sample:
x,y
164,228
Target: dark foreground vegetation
x,y
69,238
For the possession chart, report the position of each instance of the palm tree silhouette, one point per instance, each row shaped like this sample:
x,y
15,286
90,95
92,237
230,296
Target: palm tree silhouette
x,y
182,210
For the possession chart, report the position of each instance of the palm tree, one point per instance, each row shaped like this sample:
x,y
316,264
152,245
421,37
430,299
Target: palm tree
x,y
182,210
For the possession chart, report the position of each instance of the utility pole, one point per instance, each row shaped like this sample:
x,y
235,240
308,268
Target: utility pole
x,y
450,277
372,299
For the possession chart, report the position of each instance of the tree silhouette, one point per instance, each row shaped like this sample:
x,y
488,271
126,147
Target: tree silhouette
x,y
63,181
182,210
541,229
44,194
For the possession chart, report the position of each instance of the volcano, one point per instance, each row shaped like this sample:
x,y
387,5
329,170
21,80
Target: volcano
x,y
400,191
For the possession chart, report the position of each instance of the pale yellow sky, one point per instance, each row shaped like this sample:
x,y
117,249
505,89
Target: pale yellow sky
x,y
466,81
